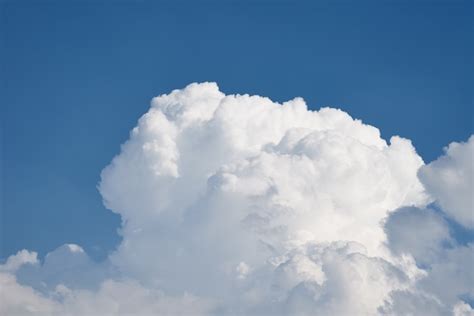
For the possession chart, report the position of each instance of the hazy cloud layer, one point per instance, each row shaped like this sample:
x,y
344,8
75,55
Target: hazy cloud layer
x,y
236,205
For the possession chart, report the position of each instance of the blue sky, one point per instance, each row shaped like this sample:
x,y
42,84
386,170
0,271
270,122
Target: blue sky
x,y
76,76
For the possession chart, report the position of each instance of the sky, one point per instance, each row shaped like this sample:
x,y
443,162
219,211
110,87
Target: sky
x,y
77,75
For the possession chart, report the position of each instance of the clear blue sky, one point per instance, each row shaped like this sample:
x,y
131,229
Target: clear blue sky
x,y
76,75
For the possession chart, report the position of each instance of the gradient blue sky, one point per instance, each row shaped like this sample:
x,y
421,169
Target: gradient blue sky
x,y
76,75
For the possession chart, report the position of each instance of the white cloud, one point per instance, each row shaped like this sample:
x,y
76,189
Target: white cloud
x,y
462,309
207,181
431,231
23,257
111,298
426,235
238,205
67,265
447,280
450,179
16,299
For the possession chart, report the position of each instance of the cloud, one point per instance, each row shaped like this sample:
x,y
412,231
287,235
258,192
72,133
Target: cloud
x,y
425,234
450,179
15,262
235,204
431,231
111,298
22,300
68,265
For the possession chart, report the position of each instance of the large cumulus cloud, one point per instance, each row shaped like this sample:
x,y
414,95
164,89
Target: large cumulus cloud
x,y
234,204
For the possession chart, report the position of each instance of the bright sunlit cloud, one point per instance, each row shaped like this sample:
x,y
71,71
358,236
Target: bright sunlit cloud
x,y
237,205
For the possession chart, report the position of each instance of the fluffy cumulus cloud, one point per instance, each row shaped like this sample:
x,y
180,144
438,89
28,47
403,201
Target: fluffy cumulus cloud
x,y
237,205
450,179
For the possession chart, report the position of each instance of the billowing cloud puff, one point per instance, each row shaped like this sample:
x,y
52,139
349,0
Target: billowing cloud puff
x,y
237,205
431,231
425,234
450,179
111,298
